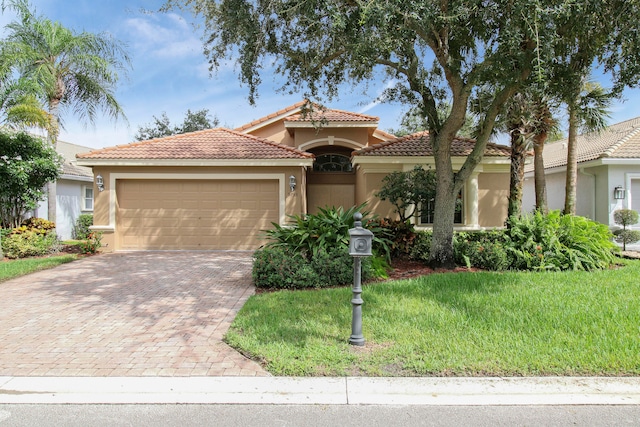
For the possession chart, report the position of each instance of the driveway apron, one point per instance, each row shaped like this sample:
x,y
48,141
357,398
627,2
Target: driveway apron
x,y
127,314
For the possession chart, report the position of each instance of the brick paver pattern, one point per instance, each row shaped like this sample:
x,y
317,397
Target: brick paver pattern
x,y
127,314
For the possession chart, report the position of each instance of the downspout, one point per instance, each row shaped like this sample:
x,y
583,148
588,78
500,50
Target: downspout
x,y
593,200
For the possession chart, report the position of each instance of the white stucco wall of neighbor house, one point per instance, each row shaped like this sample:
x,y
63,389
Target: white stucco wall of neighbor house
x,y
595,195
69,205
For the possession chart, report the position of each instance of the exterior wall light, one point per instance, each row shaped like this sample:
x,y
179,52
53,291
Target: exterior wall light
x,y
99,182
292,183
618,193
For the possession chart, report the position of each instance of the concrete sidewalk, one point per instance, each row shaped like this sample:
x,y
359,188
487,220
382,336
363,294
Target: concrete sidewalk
x,y
326,391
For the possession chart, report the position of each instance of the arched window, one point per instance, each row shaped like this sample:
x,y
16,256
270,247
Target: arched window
x,y
332,162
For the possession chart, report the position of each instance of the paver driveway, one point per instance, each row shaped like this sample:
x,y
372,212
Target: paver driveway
x,y
127,314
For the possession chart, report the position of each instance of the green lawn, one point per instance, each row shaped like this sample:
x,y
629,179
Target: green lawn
x,y
511,324
20,267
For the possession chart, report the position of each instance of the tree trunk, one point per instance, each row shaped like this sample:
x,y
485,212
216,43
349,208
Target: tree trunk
x,y
518,156
572,163
441,255
54,109
540,179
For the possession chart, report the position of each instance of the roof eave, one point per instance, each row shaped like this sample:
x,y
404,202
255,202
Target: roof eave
x,y
269,121
313,125
195,162
76,177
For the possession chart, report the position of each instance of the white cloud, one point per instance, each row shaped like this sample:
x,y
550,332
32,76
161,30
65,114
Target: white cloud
x,y
378,99
165,36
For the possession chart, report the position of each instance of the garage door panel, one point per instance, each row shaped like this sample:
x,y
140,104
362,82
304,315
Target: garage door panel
x,y
205,214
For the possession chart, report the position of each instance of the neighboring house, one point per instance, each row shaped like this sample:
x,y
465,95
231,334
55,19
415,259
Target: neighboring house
x,y
219,188
608,173
74,191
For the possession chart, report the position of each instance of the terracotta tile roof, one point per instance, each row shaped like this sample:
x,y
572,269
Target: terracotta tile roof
x,y
284,111
210,144
417,144
619,141
293,113
331,115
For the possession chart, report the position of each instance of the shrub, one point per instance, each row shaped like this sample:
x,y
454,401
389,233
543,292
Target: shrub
x,y
626,217
421,248
81,228
308,234
27,243
279,268
314,251
559,242
482,249
326,230
489,256
626,236
92,243
38,224
407,190
400,235
34,237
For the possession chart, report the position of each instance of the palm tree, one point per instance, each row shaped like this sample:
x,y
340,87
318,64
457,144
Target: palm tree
x,y
75,70
545,125
588,112
518,121
528,120
20,108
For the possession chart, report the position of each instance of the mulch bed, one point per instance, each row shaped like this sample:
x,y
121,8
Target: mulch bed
x,y
408,269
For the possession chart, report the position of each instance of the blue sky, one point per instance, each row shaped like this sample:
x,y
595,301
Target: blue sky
x,y
170,74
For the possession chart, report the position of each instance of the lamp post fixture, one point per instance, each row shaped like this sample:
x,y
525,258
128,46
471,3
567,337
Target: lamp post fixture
x,y
360,242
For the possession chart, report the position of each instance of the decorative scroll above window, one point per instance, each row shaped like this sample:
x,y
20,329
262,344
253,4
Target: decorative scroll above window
x,y
332,163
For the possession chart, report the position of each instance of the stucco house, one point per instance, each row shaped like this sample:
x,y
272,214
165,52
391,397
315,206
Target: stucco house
x,y
74,191
608,172
219,188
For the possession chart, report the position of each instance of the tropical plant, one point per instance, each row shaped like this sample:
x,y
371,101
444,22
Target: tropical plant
x,y
91,243
27,164
79,71
81,227
433,52
407,191
34,237
625,218
559,242
161,127
324,231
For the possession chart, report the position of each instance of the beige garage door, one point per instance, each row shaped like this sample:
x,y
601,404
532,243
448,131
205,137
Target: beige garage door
x,y
194,215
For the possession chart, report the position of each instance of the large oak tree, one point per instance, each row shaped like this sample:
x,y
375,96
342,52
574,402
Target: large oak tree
x,y
437,51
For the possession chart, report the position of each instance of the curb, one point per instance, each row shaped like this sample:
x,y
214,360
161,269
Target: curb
x,y
325,391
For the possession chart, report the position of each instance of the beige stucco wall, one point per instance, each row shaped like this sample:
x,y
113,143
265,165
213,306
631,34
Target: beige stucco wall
x,y
275,132
493,196
330,136
367,185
